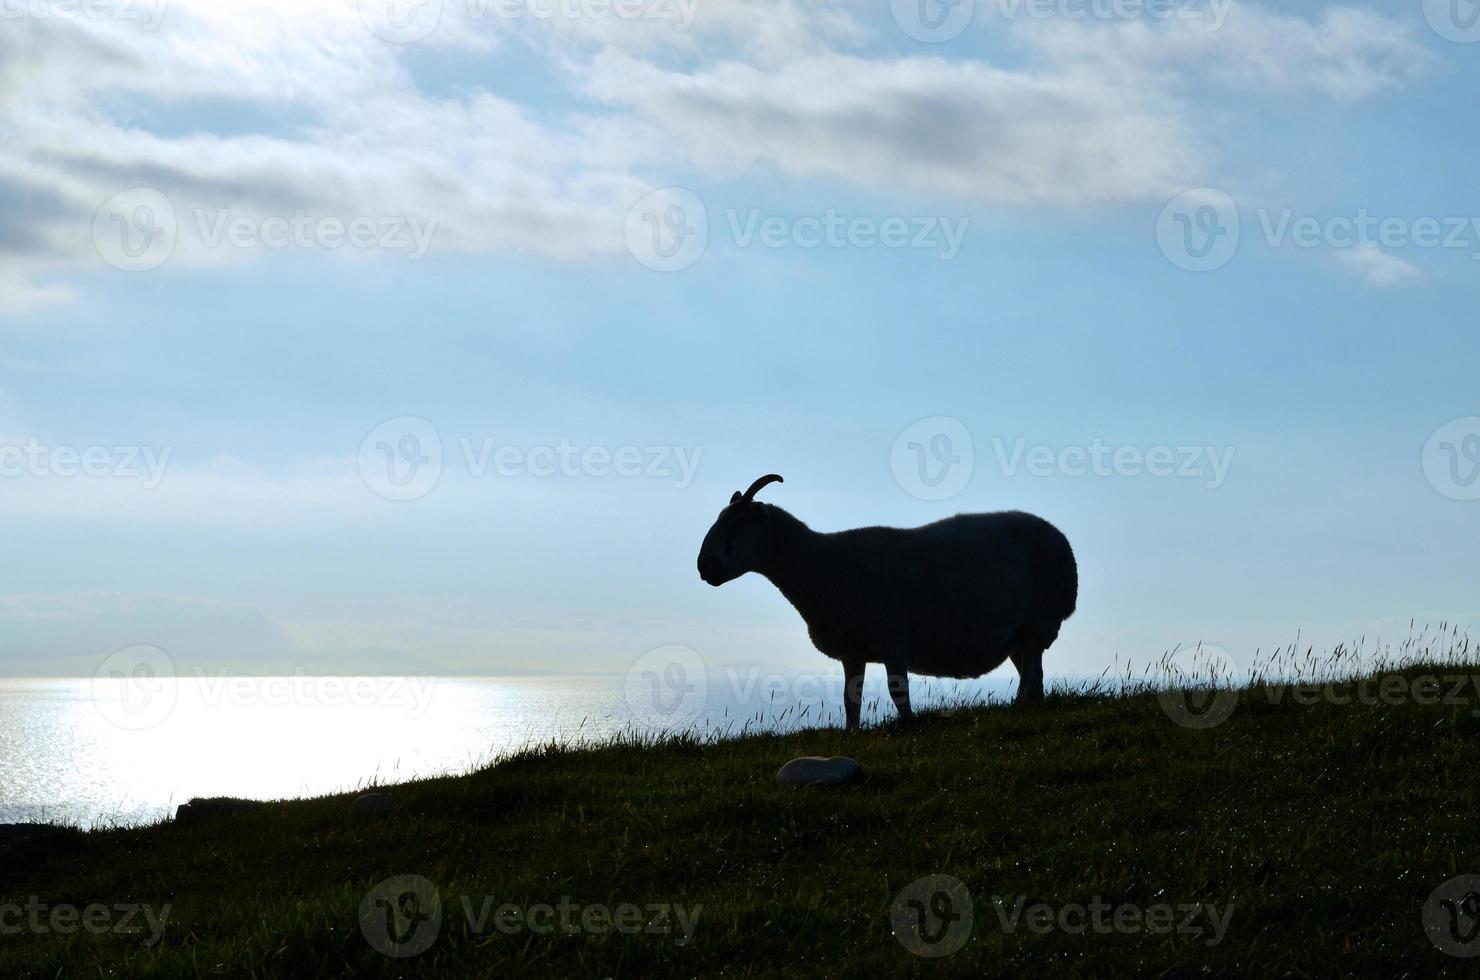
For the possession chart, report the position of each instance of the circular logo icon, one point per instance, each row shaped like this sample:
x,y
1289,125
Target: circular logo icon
x,y
668,229
1454,20
400,21
135,230
135,687
401,916
1451,459
402,459
932,21
933,459
1202,687
669,684
1451,916
1198,230
933,916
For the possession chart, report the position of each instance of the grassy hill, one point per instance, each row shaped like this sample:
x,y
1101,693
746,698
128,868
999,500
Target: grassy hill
x,y
1092,835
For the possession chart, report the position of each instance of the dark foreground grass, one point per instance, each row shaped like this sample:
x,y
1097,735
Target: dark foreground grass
x,y
1315,833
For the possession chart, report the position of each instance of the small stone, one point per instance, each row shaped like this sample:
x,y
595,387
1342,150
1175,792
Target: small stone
x,y
370,805
813,770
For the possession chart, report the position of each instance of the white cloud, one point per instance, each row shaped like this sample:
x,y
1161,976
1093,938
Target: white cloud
x,y
923,125
1379,269
1100,113
768,32
365,143
1342,53
248,110
20,294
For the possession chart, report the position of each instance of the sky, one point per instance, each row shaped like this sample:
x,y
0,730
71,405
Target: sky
x,y
391,337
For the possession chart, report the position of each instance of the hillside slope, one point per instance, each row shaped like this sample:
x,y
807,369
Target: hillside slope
x,y
1294,838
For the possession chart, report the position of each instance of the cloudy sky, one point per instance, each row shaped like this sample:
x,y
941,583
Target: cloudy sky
x,y
429,337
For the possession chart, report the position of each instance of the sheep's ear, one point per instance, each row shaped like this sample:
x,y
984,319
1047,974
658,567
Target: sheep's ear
x,y
734,496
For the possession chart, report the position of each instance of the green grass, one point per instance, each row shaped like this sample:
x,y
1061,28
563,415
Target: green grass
x,y
1325,827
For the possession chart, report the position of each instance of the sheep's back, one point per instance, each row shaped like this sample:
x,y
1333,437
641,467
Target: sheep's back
x,y
979,584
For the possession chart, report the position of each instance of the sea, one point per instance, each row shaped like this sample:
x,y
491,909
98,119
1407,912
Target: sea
x,y
120,751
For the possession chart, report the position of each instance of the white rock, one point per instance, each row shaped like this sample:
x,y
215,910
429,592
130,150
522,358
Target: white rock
x,y
370,805
813,770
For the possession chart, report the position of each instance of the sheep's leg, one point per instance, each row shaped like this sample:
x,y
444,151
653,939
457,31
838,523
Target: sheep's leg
x,y
1029,663
852,691
899,686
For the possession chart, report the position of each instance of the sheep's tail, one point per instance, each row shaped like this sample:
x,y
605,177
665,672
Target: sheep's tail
x,y
1070,599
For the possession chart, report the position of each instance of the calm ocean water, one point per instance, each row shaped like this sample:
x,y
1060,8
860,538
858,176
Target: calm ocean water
x,y
122,751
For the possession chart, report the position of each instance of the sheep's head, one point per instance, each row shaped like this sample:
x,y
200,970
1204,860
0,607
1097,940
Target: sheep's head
x,y
737,542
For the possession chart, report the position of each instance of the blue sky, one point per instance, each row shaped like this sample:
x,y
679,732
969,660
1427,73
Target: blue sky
x,y
1334,374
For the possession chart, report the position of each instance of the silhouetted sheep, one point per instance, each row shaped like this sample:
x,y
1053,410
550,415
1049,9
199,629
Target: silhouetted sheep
x,y
951,599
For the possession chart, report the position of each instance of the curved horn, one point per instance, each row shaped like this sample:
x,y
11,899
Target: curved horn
x,y
768,478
